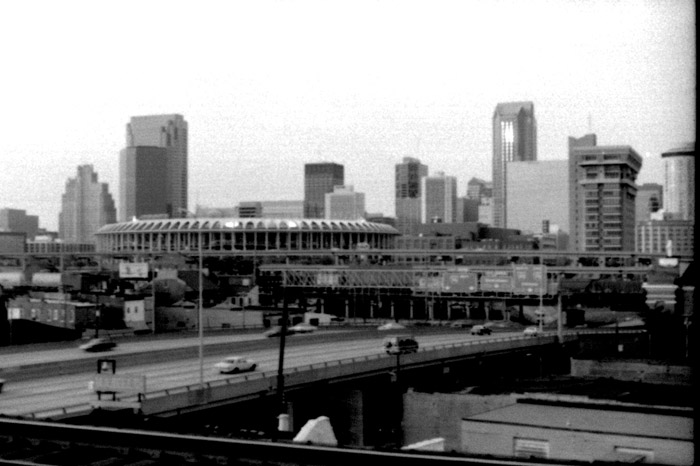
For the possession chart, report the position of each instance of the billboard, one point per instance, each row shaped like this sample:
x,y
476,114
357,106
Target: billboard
x,y
497,281
461,282
133,270
528,279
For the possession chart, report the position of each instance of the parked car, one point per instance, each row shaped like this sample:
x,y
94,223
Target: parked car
x,y
531,331
276,331
96,345
302,328
480,330
460,324
391,326
235,364
400,345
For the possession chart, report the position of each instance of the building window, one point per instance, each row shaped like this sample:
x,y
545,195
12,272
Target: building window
x,y
530,448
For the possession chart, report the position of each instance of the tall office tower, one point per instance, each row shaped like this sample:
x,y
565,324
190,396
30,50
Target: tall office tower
x,y
143,189
538,191
409,174
345,204
467,210
86,206
438,198
603,206
514,140
170,133
679,182
17,221
649,200
478,189
320,179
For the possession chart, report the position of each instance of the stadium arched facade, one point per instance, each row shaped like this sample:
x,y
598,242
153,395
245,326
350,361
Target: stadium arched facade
x,y
242,234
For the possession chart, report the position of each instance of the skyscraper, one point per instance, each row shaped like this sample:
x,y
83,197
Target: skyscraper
x,y
679,182
514,139
345,204
438,199
170,133
143,188
603,206
320,179
409,174
86,206
649,200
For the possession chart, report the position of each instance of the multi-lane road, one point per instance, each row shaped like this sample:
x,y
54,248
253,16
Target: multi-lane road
x,y
47,391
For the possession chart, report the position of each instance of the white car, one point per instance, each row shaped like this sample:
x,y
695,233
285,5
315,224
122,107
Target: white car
x,y
235,364
302,328
391,326
531,332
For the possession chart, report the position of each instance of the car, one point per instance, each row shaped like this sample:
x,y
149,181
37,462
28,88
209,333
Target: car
x,y
531,331
302,328
460,324
96,345
235,364
480,330
276,331
391,326
400,345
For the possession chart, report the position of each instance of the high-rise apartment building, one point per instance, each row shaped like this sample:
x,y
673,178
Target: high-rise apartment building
x,y
86,206
679,182
538,191
345,204
17,221
143,188
319,180
603,204
438,198
649,201
170,133
514,140
409,174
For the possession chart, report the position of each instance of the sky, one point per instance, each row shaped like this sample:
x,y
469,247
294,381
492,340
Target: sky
x,y
267,86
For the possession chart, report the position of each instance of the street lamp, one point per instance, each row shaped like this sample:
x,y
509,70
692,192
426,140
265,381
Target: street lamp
x,y
200,317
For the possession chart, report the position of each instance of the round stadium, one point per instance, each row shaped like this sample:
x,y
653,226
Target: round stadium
x,y
242,234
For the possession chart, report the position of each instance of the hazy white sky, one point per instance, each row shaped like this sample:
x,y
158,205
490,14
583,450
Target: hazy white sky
x,y
267,86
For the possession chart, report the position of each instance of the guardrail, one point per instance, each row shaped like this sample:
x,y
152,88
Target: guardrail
x,y
256,383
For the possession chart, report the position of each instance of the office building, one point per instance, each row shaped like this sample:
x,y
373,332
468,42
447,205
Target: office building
x,y
438,198
143,188
478,189
538,191
668,236
602,202
409,174
467,210
486,211
514,140
679,182
319,180
345,204
649,201
17,221
282,209
170,133
249,210
86,206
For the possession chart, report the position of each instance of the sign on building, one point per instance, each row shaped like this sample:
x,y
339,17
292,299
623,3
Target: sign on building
x,y
133,270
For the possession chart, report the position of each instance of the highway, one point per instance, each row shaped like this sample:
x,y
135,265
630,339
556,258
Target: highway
x,y
44,393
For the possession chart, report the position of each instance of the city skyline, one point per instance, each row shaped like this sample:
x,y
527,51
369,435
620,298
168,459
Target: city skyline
x,y
623,70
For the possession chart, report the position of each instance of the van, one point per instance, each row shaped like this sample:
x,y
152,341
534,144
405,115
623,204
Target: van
x,y
400,345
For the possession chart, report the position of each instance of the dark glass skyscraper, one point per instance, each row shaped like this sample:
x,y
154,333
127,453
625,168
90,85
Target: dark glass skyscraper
x,y
170,133
319,179
514,139
143,188
409,174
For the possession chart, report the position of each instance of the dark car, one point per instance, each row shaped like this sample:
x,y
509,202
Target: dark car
x,y
98,344
400,345
480,330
